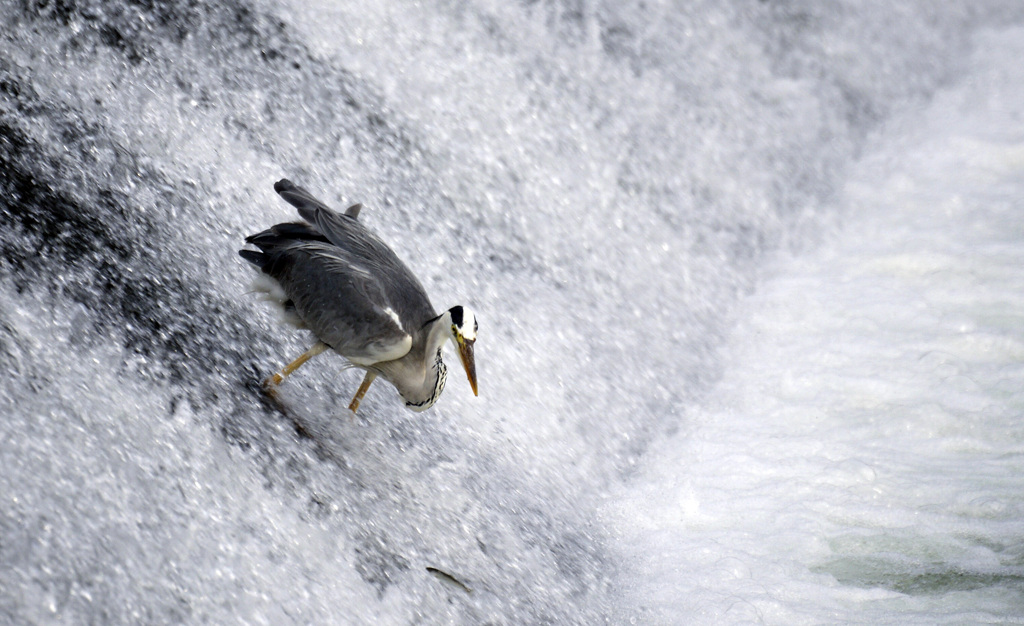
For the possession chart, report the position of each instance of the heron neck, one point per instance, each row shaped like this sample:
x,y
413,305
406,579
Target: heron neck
x,y
429,365
438,334
434,371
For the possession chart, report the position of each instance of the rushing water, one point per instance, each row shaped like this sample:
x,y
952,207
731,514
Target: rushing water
x,y
667,432
862,459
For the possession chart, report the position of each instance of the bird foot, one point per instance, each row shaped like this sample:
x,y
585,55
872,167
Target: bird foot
x,y
270,386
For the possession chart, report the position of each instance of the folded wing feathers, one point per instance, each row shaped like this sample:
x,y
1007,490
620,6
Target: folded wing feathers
x,y
306,203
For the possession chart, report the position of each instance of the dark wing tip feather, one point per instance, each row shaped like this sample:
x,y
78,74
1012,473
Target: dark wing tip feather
x,y
353,211
298,197
264,239
284,234
299,230
257,237
256,258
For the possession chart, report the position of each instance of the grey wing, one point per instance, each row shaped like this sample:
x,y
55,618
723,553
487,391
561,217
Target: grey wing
x,y
404,291
340,301
306,203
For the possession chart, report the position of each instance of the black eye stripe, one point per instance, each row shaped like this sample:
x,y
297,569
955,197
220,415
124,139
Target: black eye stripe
x,y
457,315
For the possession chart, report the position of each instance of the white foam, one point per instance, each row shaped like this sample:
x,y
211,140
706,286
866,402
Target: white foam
x,y
861,459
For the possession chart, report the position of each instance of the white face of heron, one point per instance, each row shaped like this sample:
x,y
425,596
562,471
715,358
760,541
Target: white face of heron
x,y
464,323
464,332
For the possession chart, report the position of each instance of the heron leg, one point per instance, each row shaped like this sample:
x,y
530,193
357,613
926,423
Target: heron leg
x,y
279,377
367,380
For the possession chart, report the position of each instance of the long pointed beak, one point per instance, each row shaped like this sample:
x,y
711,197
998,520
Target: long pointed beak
x,y
468,362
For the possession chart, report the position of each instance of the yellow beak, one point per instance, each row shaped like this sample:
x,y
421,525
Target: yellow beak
x,y
468,362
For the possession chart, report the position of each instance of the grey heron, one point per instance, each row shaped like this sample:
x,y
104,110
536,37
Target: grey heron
x,y
333,276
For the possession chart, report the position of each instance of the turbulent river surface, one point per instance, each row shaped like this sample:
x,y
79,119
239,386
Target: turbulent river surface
x,y
750,283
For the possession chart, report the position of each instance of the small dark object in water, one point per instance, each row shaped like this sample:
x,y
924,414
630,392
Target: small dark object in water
x,y
448,578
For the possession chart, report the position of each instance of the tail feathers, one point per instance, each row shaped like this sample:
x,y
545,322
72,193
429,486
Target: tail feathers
x,y
274,240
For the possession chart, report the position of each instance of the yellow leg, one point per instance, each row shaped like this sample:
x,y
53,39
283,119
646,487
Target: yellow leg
x,y
367,380
279,377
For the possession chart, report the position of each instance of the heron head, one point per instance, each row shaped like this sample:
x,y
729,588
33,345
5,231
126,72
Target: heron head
x,y
463,331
